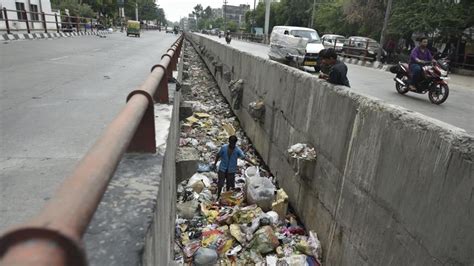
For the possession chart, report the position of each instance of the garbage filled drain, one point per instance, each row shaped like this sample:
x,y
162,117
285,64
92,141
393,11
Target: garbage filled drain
x,y
249,224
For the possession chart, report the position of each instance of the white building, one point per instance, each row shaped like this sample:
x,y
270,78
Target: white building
x,y
17,18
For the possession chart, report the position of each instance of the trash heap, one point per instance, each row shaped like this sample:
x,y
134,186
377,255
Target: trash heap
x,y
250,225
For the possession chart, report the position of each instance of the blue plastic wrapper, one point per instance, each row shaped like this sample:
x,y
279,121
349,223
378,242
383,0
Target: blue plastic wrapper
x,y
204,167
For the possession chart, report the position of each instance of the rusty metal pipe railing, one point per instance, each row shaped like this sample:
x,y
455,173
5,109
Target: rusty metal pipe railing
x,y
54,236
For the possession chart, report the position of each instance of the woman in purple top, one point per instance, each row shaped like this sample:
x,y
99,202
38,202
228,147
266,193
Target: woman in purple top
x,y
419,55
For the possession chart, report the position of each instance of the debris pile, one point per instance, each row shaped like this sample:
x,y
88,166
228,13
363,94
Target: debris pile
x,y
249,225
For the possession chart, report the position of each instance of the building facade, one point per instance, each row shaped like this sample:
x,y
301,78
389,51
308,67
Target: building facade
x,y
235,13
17,16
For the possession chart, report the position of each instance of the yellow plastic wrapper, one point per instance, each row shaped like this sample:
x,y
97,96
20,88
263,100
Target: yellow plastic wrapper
x,y
236,233
230,198
211,215
229,129
280,205
246,215
210,237
226,246
201,115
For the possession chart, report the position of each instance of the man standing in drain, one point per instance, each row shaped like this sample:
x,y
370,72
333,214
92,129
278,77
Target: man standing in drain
x,y
228,154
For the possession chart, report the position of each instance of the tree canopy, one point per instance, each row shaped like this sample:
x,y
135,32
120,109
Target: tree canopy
x,y
147,9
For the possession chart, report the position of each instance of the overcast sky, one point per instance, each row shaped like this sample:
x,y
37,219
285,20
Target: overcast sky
x,y
176,9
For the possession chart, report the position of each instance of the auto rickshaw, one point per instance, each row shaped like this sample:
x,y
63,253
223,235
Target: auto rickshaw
x,y
133,28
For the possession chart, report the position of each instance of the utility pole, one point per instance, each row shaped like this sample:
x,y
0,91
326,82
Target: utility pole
x,y
384,28
136,10
267,18
225,19
312,14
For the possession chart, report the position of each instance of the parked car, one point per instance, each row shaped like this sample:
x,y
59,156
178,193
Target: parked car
x,y
360,47
296,45
333,41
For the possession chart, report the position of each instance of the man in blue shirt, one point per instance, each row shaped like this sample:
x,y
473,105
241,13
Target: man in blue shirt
x,y
229,153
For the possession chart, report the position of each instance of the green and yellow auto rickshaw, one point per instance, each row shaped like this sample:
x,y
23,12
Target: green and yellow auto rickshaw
x,y
133,28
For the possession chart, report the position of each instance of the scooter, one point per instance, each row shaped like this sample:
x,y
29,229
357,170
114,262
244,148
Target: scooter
x,y
433,82
228,38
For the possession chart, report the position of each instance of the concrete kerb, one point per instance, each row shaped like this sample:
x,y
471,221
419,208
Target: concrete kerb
x,y
49,35
399,167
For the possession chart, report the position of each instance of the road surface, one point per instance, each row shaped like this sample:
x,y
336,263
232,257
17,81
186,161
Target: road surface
x,y
458,110
56,97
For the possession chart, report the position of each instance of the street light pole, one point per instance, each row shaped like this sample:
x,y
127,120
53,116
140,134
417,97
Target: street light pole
x,y
384,28
136,11
225,19
267,18
312,14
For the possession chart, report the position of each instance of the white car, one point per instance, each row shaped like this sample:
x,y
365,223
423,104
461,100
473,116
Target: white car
x,y
297,44
333,41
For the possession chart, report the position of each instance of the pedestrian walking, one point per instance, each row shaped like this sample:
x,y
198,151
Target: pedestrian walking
x,y
228,154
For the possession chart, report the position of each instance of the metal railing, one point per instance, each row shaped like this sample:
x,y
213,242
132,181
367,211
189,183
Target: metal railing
x,y
54,236
29,20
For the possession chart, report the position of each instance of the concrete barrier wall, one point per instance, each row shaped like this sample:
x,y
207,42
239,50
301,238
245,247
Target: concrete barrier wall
x,y
160,238
389,186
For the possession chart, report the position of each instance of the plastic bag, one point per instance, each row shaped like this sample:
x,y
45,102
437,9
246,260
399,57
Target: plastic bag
x,y
198,186
205,256
188,209
246,214
203,167
236,233
273,217
294,260
231,198
199,177
190,248
315,244
280,205
260,191
264,240
252,171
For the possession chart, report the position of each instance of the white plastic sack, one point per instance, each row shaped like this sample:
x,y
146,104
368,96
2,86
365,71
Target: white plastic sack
x,y
260,191
252,171
281,45
199,177
273,216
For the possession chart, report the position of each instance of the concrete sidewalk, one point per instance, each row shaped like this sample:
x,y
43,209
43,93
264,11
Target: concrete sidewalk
x,y
31,36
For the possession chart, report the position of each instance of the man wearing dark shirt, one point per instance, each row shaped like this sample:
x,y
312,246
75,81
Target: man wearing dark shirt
x,y
420,55
338,73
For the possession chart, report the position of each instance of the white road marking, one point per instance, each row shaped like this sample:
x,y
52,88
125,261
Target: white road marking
x,y
98,49
59,58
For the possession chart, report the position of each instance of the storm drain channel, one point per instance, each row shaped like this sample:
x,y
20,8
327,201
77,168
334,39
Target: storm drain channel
x,y
251,224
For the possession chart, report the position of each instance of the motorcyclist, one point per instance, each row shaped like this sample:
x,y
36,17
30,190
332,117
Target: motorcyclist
x,y
227,36
419,56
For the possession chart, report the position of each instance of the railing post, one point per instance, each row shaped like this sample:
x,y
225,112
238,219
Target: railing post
x,y
366,50
77,24
57,24
26,20
144,138
44,22
5,15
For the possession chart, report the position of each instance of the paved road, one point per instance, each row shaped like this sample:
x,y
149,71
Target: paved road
x,y
56,97
458,110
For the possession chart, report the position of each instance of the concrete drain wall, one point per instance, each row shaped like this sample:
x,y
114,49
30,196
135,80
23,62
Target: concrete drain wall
x,y
389,187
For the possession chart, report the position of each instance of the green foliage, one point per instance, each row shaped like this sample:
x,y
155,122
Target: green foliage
x,y
365,17
75,9
427,17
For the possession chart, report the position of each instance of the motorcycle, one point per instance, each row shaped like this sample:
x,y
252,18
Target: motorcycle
x,y
228,38
433,81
